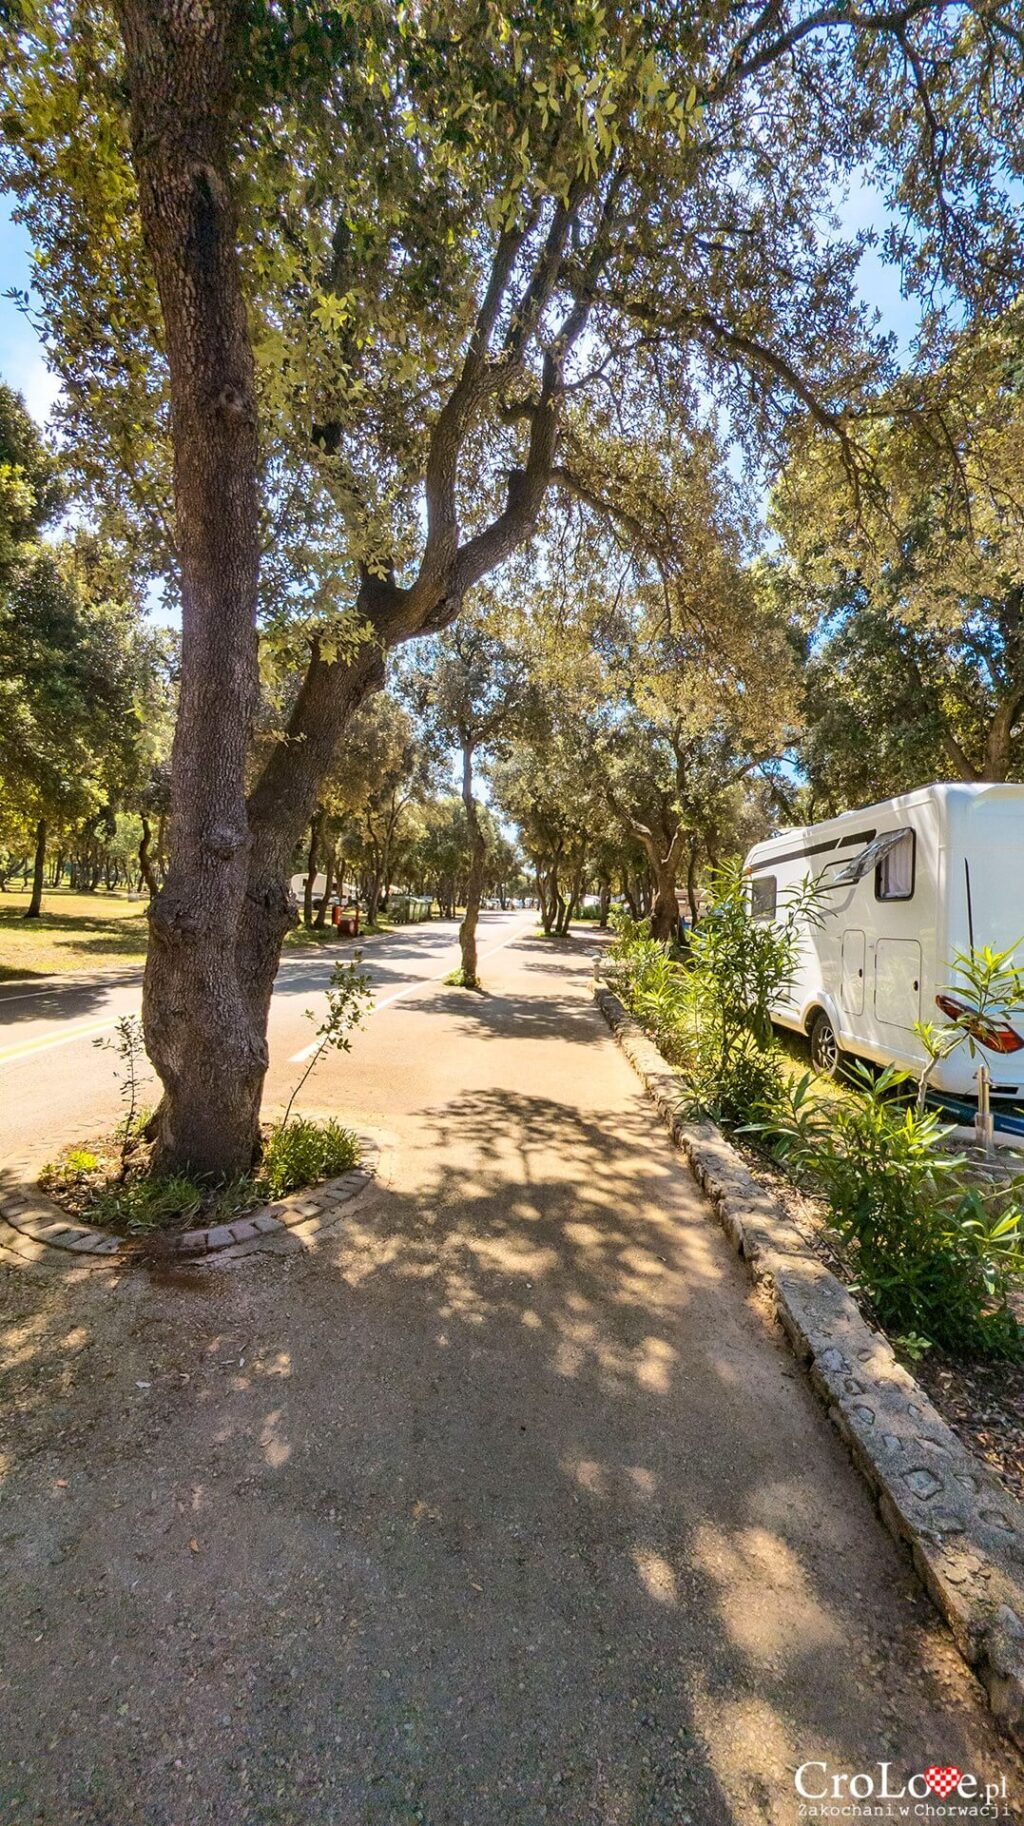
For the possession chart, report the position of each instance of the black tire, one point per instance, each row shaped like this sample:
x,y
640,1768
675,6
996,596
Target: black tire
x,y
825,1052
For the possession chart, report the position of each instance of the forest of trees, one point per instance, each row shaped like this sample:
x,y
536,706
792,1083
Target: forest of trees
x,y
489,396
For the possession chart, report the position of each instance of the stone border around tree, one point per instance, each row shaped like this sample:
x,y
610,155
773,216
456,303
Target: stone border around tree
x,y
964,1529
39,1220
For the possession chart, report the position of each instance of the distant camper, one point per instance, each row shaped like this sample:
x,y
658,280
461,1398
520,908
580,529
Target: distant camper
x,y
909,882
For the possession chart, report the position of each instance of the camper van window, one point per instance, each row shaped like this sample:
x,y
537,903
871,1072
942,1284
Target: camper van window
x,y
764,895
846,873
894,876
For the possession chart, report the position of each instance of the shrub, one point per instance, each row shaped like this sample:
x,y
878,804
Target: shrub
x,y
301,1151
937,1255
651,983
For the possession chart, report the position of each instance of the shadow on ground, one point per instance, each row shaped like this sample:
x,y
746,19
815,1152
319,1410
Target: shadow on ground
x,y
500,1507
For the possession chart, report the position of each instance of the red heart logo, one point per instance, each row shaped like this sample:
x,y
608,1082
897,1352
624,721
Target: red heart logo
x,y
942,1781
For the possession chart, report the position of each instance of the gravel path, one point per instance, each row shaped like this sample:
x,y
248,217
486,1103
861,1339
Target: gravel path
x,y
508,1506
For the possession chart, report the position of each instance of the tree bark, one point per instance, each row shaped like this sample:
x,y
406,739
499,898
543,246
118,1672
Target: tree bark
x,y
321,917
665,911
35,905
691,884
208,1049
311,867
146,869
477,865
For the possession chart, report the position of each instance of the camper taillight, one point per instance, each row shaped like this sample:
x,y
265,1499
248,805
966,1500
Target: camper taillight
x,y
997,1036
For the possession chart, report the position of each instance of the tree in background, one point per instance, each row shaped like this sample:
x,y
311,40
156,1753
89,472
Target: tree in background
x,y
72,666
471,688
910,566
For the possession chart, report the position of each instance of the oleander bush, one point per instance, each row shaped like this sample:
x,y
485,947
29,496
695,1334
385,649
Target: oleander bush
x,y
938,1251
709,1008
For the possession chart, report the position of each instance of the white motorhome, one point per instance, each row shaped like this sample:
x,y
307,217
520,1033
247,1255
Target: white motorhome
x,y
906,884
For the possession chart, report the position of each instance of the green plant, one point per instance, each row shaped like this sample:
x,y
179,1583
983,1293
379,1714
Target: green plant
x,y
130,1046
78,1163
144,1204
457,979
348,998
300,1152
938,1255
740,966
650,981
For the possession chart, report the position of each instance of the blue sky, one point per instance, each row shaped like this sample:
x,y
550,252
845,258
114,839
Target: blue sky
x,y
22,363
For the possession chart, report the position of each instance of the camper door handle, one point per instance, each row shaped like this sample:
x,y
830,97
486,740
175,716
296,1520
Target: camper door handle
x,y
916,983
860,973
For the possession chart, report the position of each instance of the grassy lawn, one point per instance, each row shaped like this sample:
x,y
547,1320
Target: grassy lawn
x,y
75,932
95,931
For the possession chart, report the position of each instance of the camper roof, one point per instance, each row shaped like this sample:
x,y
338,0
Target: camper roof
x,y
886,810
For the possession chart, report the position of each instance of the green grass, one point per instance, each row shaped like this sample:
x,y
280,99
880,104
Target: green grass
x,y
74,932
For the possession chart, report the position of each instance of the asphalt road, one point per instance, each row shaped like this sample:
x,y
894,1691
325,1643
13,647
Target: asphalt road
x,y
59,1081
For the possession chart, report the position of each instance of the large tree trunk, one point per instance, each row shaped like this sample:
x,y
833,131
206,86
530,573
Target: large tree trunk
x,y
477,865
208,1049
35,905
218,923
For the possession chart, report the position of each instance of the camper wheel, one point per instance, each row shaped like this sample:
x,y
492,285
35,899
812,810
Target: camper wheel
x,y
824,1044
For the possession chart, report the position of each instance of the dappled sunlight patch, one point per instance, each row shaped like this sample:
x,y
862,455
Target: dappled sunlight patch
x,y
764,1598
589,1475
588,1236
654,1361
640,1261
656,1575
580,1341
276,1450
22,1343
747,1741
513,1255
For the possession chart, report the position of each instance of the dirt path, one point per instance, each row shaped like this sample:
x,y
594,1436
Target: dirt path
x,y
509,1508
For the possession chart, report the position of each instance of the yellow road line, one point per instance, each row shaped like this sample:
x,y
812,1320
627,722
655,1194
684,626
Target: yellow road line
x,y
26,1049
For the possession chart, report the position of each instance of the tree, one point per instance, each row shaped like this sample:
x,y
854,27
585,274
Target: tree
x,y
384,768
472,689
911,572
404,238
71,661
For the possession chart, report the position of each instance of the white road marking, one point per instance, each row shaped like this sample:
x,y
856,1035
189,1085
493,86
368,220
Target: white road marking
x,y
299,1058
29,1049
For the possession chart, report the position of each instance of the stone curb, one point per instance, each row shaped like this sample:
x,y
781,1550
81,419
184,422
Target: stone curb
x,y
964,1530
40,1220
